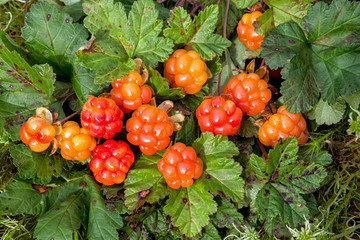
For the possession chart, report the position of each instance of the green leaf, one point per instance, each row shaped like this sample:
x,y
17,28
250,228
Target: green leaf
x,y
61,221
181,26
307,51
247,128
285,180
242,4
222,173
281,11
102,223
83,83
227,215
190,208
162,88
51,36
198,33
210,233
233,17
188,132
74,10
327,114
23,89
145,183
272,201
22,159
47,166
120,38
354,127
20,197
353,100
157,223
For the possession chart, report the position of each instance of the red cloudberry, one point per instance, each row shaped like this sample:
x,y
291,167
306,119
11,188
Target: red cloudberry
x,y
101,117
219,116
111,161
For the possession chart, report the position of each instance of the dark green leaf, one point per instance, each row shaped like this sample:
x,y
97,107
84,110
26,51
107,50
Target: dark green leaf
x,y
83,83
247,128
22,159
227,215
239,53
102,223
190,208
162,88
61,221
242,4
26,88
330,54
20,197
188,132
145,183
233,17
51,36
221,172
47,166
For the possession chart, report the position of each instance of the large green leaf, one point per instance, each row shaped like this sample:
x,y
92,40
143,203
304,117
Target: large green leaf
x,y
197,32
62,220
51,36
23,89
190,208
188,132
120,38
20,197
145,183
321,56
284,180
227,215
47,166
102,224
221,172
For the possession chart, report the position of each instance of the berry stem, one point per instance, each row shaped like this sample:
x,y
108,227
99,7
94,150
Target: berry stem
x,y
70,116
262,63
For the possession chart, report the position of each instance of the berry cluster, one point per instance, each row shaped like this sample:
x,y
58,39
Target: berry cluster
x,y
150,127
180,166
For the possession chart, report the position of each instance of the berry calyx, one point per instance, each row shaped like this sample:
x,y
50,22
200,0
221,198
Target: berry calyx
x,y
187,70
101,117
37,134
219,116
249,92
180,166
150,129
111,161
246,32
282,125
129,93
75,142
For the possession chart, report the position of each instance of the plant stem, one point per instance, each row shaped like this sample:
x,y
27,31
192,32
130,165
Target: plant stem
x,y
70,116
224,36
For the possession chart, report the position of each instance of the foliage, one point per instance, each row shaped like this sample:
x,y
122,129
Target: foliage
x,y
54,54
